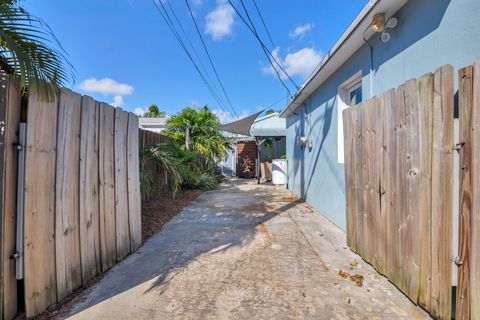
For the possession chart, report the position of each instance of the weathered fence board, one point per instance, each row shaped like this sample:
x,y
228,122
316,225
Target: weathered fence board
x,y
468,288
400,156
10,107
475,230
425,100
442,181
40,278
108,245
121,184
465,105
134,196
67,233
89,206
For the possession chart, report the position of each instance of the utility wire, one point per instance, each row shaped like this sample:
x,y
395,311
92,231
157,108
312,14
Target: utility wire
x,y
274,103
265,51
263,22
172,28
192,46
264,47
210,58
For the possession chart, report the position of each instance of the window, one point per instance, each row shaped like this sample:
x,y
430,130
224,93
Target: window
x,y
349,95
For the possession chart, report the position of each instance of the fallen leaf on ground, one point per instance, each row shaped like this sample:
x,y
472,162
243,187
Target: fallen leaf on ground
x,y
358,279
343,274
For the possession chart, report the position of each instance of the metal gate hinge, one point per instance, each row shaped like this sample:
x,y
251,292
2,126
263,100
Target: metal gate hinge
x,y
456,260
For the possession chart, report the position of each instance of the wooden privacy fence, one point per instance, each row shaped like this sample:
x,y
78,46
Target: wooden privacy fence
x,y
82,203
399,176
159,183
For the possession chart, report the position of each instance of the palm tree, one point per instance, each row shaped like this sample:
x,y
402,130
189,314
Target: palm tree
x,y
30,50
154,112
199,131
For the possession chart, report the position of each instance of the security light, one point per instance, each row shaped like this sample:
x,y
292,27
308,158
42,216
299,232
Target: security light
x,y
379,24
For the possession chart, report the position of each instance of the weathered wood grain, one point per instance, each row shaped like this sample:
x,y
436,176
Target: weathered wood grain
x,y
40,279
121,184
425,101
89,204
411,237
465,103
442,181
389,178
133,177
399,220
10,108
67,233
475,213
348,135
108,245
358,136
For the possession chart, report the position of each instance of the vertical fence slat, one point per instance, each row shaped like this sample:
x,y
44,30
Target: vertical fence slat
x,y
425,98
121,201
89,205
40,280
365,180
379,188
134,197
67,235
389,178
465,104
11,106
442,181
475,226
347,115
400,199
372,197
412,174
108,245
359,208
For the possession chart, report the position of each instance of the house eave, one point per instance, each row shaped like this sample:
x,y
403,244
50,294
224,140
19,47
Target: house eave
x,y
350,41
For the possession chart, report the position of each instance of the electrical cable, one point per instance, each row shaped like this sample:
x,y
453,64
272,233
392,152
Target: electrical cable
x,y
210,58
172,28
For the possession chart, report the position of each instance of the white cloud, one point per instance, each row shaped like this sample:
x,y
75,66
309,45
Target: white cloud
x,y
299,63
219,22
117,101
300,31
140,111
106,86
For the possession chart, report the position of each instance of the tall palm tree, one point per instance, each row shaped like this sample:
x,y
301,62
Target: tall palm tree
x,y
154,112
30,50
199,131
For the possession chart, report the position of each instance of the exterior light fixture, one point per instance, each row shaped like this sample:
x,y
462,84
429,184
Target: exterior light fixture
x,y
379,24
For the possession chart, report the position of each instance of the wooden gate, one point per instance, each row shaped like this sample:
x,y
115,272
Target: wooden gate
x,y
399,177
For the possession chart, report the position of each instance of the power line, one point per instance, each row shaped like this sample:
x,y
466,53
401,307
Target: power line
x,y
192,46
210,58
172,28
265,48
274,103
263,22
265,51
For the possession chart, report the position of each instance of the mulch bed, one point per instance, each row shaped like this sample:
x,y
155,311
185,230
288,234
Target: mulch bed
x,y
156,213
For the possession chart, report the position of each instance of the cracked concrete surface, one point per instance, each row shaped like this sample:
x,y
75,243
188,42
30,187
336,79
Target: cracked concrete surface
x,y
246,251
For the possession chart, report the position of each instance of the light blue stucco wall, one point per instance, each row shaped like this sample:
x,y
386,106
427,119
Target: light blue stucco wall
x,y
430,33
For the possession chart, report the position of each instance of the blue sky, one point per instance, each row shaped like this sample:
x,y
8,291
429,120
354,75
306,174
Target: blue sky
x,y
124,53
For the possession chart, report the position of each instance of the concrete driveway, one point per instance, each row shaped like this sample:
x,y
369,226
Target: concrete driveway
x,y
245,252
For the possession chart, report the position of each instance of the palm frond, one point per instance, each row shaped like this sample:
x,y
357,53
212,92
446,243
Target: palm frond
x,y
30,50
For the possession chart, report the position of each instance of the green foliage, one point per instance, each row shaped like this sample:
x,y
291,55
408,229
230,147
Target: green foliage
x,y
270,111
154,112
146,184
204,135
30,50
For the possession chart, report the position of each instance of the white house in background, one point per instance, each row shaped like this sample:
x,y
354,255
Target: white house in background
x,y
153,124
